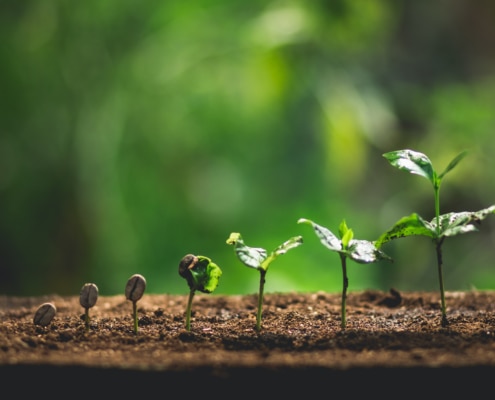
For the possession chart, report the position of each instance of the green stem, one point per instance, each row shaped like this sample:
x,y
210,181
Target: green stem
x,y
436,188
345,284
134,313
86,319
445,322
260,299
188,310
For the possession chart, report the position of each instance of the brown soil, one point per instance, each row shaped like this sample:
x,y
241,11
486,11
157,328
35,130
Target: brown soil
x,y
391,341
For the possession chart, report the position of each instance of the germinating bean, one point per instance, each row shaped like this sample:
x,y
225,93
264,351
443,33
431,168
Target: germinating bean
x,y
44,314
88,295
134,288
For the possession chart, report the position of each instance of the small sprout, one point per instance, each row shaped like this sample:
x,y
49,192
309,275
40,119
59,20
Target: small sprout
x,y
134,290
44,314
201,274
442,226
258,258
360,251
87,299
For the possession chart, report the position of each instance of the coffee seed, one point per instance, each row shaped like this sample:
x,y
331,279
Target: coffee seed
x,y
134,288
44,314
88,295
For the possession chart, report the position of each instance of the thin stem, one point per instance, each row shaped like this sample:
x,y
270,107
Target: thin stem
x,y
345,284
436,188
260,299
188,310
134,313
445,322
86,319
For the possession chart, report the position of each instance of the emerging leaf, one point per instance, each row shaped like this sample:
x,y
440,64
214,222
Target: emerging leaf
x,y
453,163
200,272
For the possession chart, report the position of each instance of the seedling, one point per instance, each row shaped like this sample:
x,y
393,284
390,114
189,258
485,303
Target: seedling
x,y
87,299
442,226
361,251
134,290
258,258
201,274
44,314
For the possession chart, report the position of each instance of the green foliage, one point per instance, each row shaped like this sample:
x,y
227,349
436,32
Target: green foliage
x,y
129,133
258,258
441,226
360,251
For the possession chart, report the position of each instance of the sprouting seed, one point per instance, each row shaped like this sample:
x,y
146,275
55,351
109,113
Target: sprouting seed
x,y
44,314
87,299
201,274
134,290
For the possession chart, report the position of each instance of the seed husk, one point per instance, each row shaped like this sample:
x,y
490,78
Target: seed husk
x,y
135,287
88,295
44,314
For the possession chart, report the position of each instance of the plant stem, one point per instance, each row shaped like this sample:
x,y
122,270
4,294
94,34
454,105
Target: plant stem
x,y
134,313
86,319
188,309
445,322
345,284
439,241
260,299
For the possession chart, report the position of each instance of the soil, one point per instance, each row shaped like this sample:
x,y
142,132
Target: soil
x,y
393,345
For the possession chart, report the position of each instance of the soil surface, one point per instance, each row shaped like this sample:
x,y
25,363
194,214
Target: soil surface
x,y
393,345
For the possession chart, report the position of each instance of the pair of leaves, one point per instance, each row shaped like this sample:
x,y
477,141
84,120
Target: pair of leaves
x,y
450,224
360,251
257,257
418,163
445,225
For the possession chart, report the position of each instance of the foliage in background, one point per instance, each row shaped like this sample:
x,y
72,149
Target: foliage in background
x,y
130,132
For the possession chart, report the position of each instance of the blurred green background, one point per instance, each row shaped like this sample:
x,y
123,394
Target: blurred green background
x,y
135,132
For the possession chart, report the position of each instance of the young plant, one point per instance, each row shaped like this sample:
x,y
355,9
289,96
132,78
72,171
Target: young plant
x,y
442,226
258,258
201,274
361,251
87,299
134,290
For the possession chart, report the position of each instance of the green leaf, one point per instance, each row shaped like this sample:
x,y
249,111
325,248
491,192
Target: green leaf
x,y
256,257
453,163
346,234
410,225
288,245
361,251
252,257
452,224
413,162
282,249
205,274
365,252
326,237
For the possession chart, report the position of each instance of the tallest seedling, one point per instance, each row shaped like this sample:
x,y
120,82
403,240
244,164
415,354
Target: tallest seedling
x,y
441,226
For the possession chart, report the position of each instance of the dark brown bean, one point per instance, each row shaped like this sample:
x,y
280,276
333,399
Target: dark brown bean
x,y
88,295
135,287
44,314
